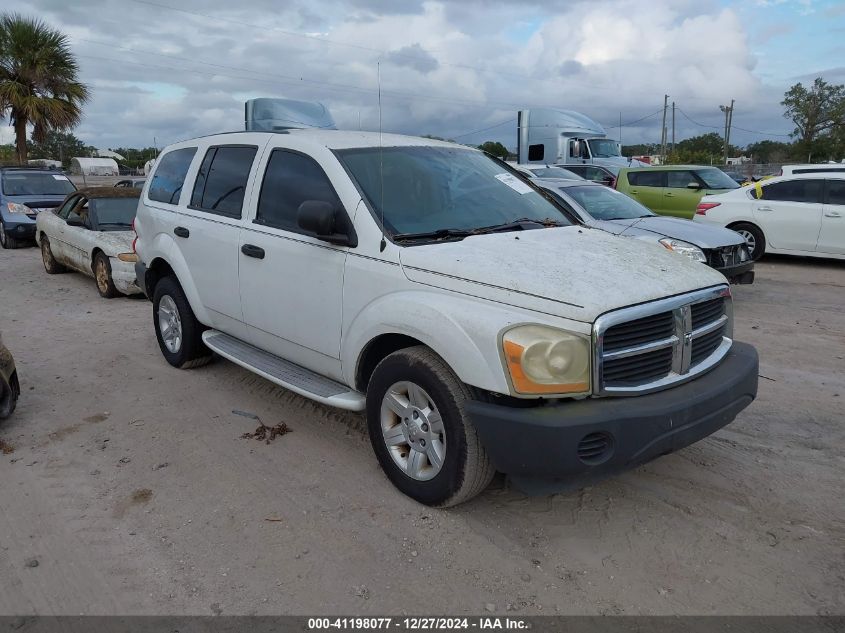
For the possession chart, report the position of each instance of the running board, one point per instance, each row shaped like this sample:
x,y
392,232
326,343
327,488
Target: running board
x,y
284,373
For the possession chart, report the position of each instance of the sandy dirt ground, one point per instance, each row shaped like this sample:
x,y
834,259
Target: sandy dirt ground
x,y
130,490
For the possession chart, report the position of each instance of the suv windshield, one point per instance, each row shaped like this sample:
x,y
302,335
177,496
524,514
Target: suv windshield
x,y
716,179
555,172
429,189
115,211
603,148
21,183
607,204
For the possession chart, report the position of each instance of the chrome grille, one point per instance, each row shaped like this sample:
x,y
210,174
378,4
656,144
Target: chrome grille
x,y
654,345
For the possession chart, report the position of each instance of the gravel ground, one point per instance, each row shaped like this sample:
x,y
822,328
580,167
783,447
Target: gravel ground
x,y
131,491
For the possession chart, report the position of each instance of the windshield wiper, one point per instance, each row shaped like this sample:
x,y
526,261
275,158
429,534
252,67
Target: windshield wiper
x,y
517,225
439,234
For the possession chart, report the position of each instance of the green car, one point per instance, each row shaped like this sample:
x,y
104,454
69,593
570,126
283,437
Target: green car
x,y
673,189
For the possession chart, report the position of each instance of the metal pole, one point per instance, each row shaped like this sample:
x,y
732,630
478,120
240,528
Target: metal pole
x,y
728,135
663,130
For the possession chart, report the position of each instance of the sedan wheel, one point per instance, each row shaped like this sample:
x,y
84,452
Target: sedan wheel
x,y
413,430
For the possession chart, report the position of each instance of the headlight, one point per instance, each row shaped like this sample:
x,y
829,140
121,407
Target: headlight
x,y
14,207
684,248
545,360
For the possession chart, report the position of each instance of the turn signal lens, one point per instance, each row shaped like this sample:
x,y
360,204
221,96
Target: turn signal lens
x,y
127,257
544,360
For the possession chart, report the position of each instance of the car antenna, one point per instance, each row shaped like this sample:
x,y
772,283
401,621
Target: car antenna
x,y
383,244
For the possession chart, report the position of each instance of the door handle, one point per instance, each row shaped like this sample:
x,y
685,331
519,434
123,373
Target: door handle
x,y
635,191
250,250
669,194
765,209
832,214
181,231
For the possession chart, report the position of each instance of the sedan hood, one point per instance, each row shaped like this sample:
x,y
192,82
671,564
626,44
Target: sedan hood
x,y
677,228
572,272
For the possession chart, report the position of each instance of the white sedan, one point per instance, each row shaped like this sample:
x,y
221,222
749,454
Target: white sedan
x,y
794,215
91,232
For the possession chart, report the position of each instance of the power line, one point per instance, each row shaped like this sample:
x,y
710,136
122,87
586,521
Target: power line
x,y
735,127
484,129
648,116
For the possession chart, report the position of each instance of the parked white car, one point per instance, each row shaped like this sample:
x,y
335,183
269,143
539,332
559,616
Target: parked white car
x,y
91,233
817,168
793,215
428,285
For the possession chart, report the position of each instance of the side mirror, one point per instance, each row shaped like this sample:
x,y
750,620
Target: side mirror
x,y
322,219
75,222
693,185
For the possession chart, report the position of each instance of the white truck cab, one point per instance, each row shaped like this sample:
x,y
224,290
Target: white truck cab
x,y
564,137
430,286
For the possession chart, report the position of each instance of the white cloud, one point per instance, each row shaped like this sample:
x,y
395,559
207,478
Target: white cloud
x,y
448,66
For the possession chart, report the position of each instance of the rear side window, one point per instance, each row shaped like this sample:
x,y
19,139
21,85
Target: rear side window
x,y
646,178
222,178
794,191
536,152
679,179
290,180
170,175
836,192
812,170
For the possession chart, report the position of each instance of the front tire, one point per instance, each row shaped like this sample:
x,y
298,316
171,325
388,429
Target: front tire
x,y
420,431
178,332
102,274
9,399
52,266
6,240
754,238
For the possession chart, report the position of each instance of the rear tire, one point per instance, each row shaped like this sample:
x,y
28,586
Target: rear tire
x,y
754,238
178,332
50,264
102,275
420,431
6,240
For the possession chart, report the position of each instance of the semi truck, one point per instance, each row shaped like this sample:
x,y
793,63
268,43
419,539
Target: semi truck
x,y
564,137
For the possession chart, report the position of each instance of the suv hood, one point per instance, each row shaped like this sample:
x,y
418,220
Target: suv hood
x,y
677,228
37,202
573,272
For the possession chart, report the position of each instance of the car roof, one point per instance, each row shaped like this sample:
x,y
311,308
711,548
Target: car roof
x,y
565,183
334,139
45,170
668,167
93,193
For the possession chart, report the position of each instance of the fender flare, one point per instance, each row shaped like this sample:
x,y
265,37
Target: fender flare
x,y
163,248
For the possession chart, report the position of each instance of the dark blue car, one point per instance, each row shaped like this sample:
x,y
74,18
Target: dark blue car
x,y
24,191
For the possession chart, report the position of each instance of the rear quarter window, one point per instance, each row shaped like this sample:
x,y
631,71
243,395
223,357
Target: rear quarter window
x,y
169,176
645,178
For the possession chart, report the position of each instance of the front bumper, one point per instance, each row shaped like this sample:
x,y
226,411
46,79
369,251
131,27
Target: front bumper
x,y
20,229
141,278
739,274
562,441
124,278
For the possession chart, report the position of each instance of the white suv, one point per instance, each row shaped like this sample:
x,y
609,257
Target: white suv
x,y
429,285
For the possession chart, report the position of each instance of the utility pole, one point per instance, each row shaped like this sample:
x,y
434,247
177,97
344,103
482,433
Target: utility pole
x,y
728,110
620,129
673,127
663,130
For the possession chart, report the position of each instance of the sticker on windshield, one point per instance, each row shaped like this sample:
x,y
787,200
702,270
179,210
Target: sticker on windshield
x,y
514,183
59,177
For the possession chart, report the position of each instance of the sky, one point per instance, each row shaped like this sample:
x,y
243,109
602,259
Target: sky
x,y
167,70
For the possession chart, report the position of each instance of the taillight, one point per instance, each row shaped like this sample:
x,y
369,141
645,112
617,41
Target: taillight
x,y
704,207
135,241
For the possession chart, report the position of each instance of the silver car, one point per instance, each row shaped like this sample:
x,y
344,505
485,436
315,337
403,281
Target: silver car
x,y
609,210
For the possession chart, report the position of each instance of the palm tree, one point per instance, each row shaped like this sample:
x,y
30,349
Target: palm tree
x,y
39,82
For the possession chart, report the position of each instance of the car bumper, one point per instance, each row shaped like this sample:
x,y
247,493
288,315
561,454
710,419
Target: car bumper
x,y
739,274
22,229
123,276
557,443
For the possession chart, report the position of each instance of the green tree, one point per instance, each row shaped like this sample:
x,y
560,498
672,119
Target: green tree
x,y
39,79
703,149
817,112
59,146
495,148
770,151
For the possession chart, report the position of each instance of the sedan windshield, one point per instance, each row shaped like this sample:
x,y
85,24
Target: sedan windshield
x,y
115,212
716,179
603,148
20,183
555,172
453,191
604,203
